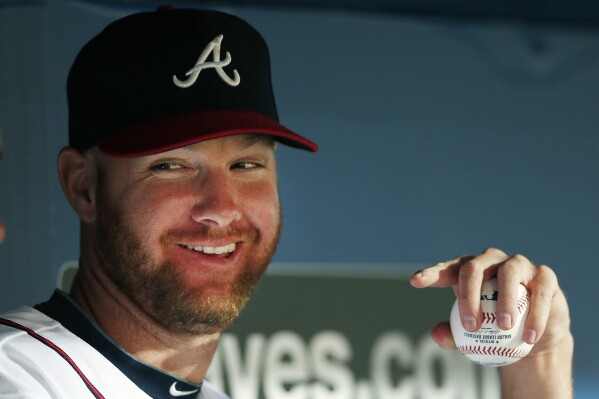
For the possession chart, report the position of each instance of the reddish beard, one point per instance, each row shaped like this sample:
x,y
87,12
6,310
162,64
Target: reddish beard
x,y
160,290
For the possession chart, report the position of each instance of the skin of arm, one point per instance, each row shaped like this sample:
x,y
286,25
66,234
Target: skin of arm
x,y
543,375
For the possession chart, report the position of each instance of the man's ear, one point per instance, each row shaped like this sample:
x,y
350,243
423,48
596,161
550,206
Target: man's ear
x,y
77,172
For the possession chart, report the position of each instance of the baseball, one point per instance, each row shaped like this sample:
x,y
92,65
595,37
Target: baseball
x,y
491,346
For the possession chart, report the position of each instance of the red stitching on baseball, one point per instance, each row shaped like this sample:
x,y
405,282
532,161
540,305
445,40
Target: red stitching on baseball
x,y
489,317
523,302
491,350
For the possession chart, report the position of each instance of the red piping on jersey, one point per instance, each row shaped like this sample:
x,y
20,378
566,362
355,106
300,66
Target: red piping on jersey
x,y
55,348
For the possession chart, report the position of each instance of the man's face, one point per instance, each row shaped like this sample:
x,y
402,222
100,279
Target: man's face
x,y
186,234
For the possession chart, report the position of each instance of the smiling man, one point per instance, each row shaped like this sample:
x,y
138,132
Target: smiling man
x,y
185,234
171,169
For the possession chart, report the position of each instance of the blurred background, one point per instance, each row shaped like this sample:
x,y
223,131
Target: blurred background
x,y
444,128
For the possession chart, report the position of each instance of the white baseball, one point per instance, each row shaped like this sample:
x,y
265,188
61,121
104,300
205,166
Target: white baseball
x,y
490,346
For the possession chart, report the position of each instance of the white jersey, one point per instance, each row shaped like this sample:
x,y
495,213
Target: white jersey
x,y
42,358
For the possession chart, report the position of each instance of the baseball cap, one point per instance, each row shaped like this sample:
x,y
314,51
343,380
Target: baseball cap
x,y
155,81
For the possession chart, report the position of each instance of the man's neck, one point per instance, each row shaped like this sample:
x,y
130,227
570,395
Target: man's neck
x,y
186,356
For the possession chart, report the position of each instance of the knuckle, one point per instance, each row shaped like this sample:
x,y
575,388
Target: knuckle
x,y
494,251
510,298
543,295
536,321
466,306
510,266
514,264
546,273
544,285
470,267
519,259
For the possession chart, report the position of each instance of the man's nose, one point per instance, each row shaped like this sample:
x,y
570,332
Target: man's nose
x,y
217,203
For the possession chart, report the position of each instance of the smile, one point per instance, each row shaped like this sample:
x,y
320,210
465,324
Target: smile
x,y
226,249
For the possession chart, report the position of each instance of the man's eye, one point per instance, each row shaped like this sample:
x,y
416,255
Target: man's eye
x,y
163,166
245,165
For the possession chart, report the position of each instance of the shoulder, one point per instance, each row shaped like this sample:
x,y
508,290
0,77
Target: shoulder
x,y
24,321
19,352
41,359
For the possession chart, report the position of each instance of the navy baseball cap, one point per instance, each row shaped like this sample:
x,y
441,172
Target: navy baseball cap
x,y
154,81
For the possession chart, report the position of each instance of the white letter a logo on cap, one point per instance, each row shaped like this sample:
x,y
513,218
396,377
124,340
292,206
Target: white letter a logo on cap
x,y
212,48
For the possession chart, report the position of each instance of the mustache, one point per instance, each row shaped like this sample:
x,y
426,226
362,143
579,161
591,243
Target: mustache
x,y
230,233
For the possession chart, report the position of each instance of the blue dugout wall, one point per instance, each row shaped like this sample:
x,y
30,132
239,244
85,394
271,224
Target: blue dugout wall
x,y
438,137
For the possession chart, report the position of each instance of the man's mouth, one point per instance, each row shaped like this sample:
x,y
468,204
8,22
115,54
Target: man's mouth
x,y
225,249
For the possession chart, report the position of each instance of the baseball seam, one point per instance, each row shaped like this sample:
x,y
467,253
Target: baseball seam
x,y
489,317
523,302
491,350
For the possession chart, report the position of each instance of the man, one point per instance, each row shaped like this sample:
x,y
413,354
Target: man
x,y
171,169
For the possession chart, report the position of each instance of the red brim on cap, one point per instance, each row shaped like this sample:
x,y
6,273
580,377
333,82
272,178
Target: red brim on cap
x,y
180,130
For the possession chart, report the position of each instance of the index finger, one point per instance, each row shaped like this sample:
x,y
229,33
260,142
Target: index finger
x,y
442,274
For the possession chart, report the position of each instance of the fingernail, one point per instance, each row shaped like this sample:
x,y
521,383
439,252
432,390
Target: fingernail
x,y
469,323
530,336
504,321
421,277
418,274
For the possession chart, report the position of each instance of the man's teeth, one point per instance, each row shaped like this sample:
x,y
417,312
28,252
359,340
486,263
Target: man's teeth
x,y
212,250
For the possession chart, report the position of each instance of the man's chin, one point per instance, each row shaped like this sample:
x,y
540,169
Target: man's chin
x,y
196,310
207,318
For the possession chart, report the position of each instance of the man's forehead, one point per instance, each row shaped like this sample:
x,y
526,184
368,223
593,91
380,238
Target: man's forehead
x,y
236,142
240,141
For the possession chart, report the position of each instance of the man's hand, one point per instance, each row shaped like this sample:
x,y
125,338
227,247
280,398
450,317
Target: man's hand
x,y
546,371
